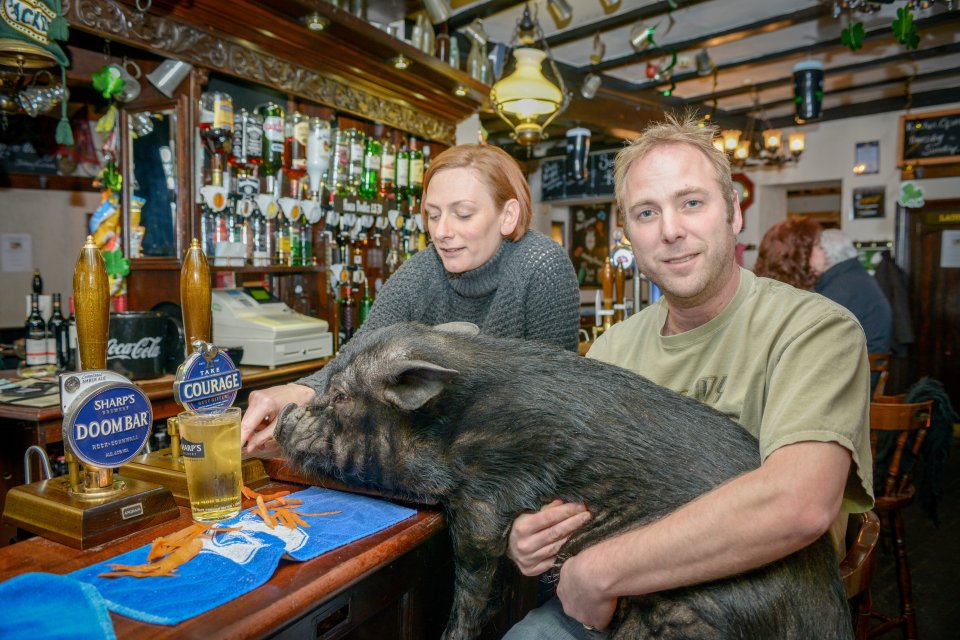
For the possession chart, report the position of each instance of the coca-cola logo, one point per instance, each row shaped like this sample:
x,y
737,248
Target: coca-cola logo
x,y
144,348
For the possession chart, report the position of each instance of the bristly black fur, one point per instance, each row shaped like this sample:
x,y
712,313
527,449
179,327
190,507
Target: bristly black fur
x,y
491,427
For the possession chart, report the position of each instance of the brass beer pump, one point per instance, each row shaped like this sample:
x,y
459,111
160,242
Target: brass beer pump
x,y
166,465
90,505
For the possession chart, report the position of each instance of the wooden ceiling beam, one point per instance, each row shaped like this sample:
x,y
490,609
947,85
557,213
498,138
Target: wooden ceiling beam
x,y
717,38
939,20
615,21
900,103
931,75
905,56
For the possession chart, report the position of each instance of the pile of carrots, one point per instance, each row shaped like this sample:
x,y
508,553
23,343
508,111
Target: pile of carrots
x,y
168,553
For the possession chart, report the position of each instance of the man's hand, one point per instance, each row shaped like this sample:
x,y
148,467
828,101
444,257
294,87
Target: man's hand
x,y
260,419
535,538
579,593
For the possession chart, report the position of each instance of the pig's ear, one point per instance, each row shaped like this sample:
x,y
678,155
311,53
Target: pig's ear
x,y
410,384
462,328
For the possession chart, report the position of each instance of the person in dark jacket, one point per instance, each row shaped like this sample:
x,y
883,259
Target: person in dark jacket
x,y
844,280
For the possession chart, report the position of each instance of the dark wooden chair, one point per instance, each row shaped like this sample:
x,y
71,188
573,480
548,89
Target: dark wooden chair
x,y
880,363
897,430
856,568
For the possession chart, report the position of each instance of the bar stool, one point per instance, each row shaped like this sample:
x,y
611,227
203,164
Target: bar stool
x,y
879,363
897,429
856,568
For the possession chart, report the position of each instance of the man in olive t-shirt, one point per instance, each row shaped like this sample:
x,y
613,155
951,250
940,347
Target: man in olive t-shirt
x,y
789,366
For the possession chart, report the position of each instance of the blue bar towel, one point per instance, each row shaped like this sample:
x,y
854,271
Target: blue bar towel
x,y
235,563
43,606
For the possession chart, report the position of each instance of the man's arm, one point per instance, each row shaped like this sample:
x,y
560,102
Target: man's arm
x,y
759,517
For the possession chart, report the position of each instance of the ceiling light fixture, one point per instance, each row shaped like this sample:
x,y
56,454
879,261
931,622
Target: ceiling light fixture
x,y
526,99
315,22
745,149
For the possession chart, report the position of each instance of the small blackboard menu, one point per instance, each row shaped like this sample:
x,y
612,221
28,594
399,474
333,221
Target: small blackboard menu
x,y
557,184
930,138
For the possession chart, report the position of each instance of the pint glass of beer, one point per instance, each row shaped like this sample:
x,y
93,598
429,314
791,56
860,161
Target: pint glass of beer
x,y
210,441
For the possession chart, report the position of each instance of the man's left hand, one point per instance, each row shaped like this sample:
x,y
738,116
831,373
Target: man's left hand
x,y
580,596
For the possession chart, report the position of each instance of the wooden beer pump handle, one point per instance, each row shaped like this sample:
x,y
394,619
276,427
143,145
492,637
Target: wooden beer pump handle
x,y
91,292
195,297
606,280
620,312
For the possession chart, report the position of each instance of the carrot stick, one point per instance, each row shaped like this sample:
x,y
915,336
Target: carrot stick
x,y
265,514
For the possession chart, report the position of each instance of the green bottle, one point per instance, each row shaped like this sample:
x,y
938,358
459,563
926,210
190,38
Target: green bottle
x,y
366,302
370,182
272,140
403,173
416,170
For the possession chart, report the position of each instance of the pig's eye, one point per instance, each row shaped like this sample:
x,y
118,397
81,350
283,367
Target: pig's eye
x,y
339,396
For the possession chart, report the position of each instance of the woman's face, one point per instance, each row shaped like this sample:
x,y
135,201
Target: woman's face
x,y
465,225
818,259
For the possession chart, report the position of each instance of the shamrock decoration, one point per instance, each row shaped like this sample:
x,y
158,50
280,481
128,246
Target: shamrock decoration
x,y
852,36
904,28
116,264
911,196
108,81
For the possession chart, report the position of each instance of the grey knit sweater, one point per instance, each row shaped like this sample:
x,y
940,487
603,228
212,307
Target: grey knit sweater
x,y
528,289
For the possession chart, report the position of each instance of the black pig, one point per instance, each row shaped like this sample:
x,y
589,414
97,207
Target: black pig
x,y
493,427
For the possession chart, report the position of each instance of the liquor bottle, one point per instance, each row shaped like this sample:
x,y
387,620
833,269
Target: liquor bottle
x,y
36,330
443,44
454,60
296,129
366,303
348,313
72,361
216,126
247,146
260,255
403,173
58,352
416,171
355,170
305,232
370,182
340,162
388,169
318,155
37,282
272,148
281,257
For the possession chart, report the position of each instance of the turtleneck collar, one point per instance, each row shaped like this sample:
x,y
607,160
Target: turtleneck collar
x,y
483,280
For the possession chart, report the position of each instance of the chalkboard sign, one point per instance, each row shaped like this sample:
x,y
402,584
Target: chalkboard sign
x,y
27,146
930,138
552,179
556,184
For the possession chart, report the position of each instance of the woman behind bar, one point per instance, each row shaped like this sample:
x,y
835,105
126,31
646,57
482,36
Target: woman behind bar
x,y
485,266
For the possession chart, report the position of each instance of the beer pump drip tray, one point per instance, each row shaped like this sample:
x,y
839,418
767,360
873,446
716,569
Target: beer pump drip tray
x,y
48,509
162,468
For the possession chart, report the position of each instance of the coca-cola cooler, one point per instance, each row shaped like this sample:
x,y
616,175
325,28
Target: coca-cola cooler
x,y
143,344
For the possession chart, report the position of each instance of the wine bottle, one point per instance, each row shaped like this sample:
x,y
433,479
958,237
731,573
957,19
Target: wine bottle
x,y
72,360
58,352
36,330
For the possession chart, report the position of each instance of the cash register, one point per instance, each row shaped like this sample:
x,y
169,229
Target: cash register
x,y
270,332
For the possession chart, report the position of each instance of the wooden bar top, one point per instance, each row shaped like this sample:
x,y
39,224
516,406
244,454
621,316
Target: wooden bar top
x,y
295,590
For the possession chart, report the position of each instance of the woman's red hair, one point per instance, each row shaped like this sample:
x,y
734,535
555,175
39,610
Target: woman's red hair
x,y
785,252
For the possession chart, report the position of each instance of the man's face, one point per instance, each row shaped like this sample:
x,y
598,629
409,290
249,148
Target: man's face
x,y
676,219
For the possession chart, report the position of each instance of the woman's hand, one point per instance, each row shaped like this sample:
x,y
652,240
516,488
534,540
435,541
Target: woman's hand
x,y
535,538
260,419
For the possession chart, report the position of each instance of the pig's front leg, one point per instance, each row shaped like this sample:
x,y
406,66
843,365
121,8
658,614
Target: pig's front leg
x,y
478,547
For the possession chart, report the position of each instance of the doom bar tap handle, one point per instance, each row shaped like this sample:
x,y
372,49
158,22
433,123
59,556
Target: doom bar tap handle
x,y
92,304
195,296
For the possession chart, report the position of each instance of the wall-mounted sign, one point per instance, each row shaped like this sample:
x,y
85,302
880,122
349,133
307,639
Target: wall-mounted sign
x,y
929,138
868,202
558,183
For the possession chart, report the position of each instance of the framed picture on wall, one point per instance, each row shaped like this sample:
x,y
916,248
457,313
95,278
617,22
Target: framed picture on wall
x,y
866,158
868,202
589,242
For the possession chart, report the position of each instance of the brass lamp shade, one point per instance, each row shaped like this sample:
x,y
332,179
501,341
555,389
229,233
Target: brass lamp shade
x,y
527,95
18,53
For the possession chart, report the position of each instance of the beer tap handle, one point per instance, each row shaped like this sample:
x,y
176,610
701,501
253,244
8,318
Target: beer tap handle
x,y
620,278
92,307
195,297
